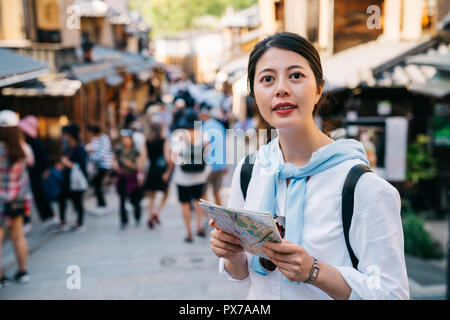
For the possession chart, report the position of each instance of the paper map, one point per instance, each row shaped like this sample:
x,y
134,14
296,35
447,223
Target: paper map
x,y
254,228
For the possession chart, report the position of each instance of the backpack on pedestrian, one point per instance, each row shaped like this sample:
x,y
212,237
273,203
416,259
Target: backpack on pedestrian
x,y
53,184
191,166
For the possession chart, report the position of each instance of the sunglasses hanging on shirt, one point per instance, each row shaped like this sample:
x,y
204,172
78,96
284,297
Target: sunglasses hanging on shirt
x,y
266,263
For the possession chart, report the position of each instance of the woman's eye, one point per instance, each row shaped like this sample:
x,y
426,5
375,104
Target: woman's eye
x,y
267,79
296,75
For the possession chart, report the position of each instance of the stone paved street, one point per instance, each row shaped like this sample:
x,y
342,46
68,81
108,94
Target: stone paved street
x,y
136,263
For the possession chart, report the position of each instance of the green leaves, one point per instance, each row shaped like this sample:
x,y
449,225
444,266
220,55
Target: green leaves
x,y
421,165
418,242
172,16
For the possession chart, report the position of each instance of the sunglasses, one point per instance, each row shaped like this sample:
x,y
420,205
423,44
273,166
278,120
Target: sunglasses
x,y
266,263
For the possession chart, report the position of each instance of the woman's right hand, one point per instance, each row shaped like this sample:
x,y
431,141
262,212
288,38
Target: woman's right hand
x,y
225,245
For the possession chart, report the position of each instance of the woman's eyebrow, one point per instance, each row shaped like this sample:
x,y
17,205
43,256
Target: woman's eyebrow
x,y
289,68
295,67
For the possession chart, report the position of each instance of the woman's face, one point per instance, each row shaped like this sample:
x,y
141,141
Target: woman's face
x,y
127,142
285,89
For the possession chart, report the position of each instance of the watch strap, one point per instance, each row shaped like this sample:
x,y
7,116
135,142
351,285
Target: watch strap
x,y
314,272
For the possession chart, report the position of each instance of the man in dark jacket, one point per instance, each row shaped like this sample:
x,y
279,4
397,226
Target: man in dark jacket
x,y
29,126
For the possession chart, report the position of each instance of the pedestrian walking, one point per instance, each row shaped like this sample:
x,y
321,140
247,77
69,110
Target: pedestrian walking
x,y
131,116
127,166
177,114
29,125
214,132
101,155
74,160
14,192
190,172
301,178
159,171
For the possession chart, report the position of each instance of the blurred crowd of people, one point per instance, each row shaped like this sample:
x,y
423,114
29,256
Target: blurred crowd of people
x,y
142,162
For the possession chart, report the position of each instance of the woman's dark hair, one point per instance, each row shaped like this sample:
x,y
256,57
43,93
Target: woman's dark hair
x,y
10,136
287,41
94,128
72,130
155,131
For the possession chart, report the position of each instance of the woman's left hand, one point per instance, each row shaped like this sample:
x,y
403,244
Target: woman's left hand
x,y
291,259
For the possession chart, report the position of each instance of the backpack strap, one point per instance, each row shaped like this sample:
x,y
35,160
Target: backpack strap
x,y
246,173
348,196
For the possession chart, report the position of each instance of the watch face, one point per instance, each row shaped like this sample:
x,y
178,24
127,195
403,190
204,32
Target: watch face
x,y
315,271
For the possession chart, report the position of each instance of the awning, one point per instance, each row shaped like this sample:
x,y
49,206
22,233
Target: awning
x,y
437,60
53,85
351,67
16,68
247,18
136,64
91,72
427,73
92,8
437,87
114,80
423,70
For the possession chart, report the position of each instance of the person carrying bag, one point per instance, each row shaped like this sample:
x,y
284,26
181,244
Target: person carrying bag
x,y
15,193
75,177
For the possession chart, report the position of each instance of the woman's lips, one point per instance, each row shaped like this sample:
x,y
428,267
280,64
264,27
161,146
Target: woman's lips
x,y
284,108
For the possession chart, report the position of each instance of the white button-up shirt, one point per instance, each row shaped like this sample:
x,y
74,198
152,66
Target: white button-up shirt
x,y
376,235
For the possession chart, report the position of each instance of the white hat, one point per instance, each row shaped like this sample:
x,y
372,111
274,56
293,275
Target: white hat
x,y
8,118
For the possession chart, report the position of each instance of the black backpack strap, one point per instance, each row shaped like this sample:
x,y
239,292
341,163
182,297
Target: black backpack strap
x,y
246,173
348,196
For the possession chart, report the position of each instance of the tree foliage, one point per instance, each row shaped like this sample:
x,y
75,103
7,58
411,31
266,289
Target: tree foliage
x,y
172,16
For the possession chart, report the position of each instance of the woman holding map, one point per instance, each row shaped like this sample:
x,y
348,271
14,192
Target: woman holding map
x,y
299,177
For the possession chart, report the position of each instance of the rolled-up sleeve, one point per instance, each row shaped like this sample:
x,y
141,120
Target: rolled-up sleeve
x,y
245,283
376,237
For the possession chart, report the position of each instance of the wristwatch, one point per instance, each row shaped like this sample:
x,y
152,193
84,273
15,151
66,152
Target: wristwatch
x,y
314,272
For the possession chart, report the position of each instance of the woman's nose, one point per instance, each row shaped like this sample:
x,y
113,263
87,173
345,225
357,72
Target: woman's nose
x,y
282,89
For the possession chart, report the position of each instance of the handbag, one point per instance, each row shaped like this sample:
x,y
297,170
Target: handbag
x,y
78,181
15,208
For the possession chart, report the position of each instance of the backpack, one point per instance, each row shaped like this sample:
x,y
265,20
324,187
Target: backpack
x,y
194,167
348,193
53,184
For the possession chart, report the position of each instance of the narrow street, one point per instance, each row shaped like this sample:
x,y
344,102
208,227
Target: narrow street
x,y
137,263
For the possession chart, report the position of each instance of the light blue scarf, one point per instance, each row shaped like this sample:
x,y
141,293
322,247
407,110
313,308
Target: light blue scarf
x,y
322,159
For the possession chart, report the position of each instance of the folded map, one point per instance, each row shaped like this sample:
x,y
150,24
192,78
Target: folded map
x,y
253,227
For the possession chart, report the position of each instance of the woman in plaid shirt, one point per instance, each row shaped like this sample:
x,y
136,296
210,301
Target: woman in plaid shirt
x,y
14,185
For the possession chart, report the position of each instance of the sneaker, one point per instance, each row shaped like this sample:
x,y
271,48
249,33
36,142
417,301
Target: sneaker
x,y
22,277
188,240
99,211
201,233
4,282
55,221
78,228
129,206
61,228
